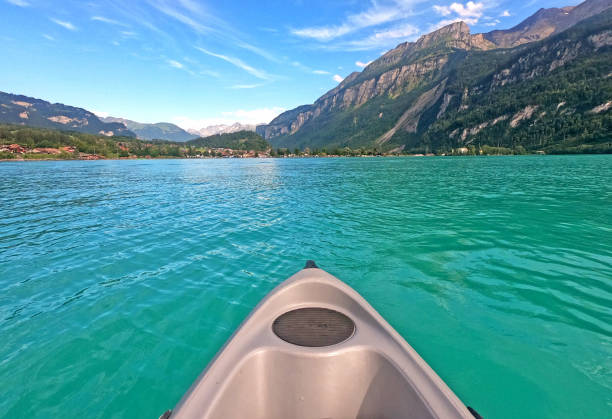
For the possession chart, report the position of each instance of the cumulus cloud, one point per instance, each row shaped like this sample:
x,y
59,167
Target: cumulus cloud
x,y
469,13
470,9
362,64
338,78
442,10
505,13
250,117
64,24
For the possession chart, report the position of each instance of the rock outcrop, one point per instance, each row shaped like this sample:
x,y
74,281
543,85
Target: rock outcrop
x,y
438,91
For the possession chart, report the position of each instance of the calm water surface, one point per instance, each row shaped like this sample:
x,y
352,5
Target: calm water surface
x,y
120,280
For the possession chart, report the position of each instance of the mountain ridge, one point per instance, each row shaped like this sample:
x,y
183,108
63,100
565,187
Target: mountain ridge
x,y
155,131
29,111
240,140
411,86
546,22
222,129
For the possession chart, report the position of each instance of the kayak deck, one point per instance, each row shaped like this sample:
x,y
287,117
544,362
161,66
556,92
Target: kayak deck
x,y
314,348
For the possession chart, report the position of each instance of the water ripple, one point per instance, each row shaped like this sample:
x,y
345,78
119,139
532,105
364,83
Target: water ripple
x,y
120,280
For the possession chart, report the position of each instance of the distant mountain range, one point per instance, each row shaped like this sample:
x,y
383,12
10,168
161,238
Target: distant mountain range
x,y
158,131
24,110
544,84
240,140
221,129
29,111
172,132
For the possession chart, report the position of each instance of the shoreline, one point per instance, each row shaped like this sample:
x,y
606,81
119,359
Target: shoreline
x,y
300,157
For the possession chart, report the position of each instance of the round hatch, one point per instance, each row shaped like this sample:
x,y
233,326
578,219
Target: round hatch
x,y
313,327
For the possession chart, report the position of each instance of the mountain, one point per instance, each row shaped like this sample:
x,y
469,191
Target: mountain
x,y
24,110
546,22
158,131
451,89
221,129
241,140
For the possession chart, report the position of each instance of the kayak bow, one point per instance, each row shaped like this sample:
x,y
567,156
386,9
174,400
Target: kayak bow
x,y
314,348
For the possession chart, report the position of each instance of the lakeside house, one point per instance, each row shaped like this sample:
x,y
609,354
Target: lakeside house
x,y
13,148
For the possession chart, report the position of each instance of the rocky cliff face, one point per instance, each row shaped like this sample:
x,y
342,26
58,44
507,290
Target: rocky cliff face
x,y
399,71
550,95
397,96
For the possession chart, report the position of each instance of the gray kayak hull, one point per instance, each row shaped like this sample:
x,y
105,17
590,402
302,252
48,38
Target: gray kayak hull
x,y
314,348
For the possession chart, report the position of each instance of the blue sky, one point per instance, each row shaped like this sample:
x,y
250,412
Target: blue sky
x,y
199,62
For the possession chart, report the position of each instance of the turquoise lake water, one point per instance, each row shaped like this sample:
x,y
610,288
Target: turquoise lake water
x,y
119,280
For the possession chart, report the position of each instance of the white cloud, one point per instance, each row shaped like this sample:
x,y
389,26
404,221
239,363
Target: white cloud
x,y
505,13
49,37
186,20
469,13
376,15
446,22
193,15
322,33
259,51
20,3
175,64
470,9
251,117
493,23
362,64
260,74
107,20
64,24
128,34
338,78
320,72
442,10
101,114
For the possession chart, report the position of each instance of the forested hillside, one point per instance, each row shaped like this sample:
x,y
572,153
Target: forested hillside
x,y
241,140
453,90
